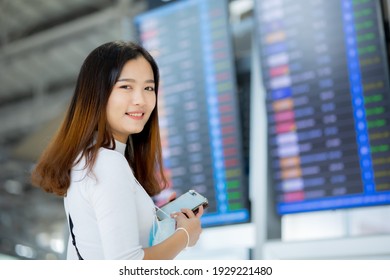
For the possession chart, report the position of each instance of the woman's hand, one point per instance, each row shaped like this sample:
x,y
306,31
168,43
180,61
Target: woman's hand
x,y
191,222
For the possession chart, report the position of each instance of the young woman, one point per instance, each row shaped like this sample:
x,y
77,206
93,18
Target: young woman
x,y
106,161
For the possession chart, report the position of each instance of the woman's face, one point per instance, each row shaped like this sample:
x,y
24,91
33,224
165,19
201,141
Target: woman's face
x,y
132,99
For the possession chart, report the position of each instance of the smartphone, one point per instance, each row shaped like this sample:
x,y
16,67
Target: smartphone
x,y
191,199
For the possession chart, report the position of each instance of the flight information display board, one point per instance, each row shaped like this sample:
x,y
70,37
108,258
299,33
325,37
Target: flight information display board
x,y
325,71
198,108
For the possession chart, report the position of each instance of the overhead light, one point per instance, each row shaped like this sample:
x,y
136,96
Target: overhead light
x,y
238,8
57,245
43,239
13,187
24,251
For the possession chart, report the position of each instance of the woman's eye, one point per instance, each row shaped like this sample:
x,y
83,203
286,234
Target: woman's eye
x,y
125,87
149,88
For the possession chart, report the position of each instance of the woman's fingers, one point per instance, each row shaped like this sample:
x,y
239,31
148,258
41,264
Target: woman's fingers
x,y
200,212
188,212
178,215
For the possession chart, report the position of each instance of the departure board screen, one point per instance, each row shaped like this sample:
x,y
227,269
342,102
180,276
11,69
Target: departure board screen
x,y
198,108
325,71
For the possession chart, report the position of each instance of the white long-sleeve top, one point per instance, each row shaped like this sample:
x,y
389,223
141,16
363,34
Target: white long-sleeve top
x,y
112,214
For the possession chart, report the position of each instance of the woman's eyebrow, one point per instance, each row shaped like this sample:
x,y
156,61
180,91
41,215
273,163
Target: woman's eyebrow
x,y
133,81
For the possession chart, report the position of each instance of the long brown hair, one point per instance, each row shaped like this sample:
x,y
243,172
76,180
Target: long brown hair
x,y
85,128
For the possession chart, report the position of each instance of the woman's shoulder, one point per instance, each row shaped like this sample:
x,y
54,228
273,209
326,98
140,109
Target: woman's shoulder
x,y
111,160
104,157
110,154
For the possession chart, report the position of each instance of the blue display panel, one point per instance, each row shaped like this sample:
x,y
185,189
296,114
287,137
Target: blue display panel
x,y
325,70
198,106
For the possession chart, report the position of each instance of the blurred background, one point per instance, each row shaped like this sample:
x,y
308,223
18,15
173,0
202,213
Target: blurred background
x,y
277,110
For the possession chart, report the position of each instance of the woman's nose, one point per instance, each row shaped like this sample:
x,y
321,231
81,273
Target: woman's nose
x,y
138,97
